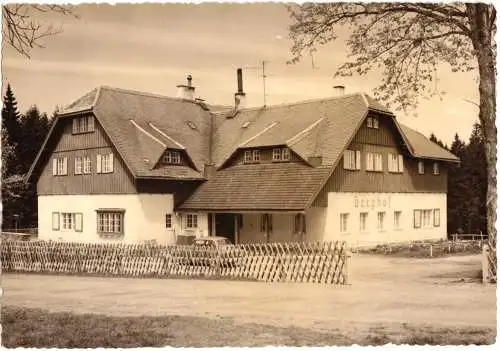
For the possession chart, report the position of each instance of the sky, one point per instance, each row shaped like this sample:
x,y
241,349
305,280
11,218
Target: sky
x,y
153,47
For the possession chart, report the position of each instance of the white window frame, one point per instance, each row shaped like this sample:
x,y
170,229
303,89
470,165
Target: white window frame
x,y
60,166
395,163
363,220
78,165
397,219
417,219
83,125
344,223
67,221
374,162
276,154
436,217
380,221
172,157
372,122
247,156
285,154
352,160
421,167
435,168
87,164
191,222
110,222
105,163
426,218
256,156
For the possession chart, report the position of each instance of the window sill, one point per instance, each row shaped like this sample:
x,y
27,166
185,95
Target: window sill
x,y
86,132
375,171
352,169
111,235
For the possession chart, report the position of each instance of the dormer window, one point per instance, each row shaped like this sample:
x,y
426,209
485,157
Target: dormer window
x,y
83,125
281,154
372,122
172,157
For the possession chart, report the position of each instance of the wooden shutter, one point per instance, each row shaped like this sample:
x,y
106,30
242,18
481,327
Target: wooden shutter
x,y
65,166
90,122
437,218
417,218
390,162
75,125
54,166
346,160
111,163
358,159
78,222
55,220
400,163
98,164
369,161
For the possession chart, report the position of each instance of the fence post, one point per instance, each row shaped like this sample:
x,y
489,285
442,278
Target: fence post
x,y
431,250
485,263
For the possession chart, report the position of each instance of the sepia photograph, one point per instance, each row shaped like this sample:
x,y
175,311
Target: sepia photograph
x,y
248,174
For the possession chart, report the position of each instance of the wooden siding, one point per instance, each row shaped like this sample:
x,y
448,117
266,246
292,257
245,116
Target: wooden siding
x,y
86,144
118,182
69,141
384,140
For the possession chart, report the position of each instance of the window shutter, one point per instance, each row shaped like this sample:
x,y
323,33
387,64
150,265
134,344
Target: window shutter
x,y
98,164
54,166
390,162
55,220
369,161
346,160
270,222
75,125
358,159
417,218
400,163
379,162
78,222
65,166
111,163
90,122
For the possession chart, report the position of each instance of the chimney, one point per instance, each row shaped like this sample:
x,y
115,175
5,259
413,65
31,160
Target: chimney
x,y
239,97
186,92
339,90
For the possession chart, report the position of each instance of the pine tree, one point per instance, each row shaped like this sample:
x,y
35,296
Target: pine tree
x,y
34,129
457,190
10,128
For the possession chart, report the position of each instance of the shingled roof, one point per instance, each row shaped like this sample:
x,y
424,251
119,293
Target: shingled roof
x,y
273,187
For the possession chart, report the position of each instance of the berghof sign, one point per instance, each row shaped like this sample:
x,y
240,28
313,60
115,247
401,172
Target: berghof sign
x,y
375,201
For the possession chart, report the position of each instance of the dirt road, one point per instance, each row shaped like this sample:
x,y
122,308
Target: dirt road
x,y
383,290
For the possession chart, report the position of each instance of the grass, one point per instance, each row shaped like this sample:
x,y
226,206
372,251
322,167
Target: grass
x,y
25,327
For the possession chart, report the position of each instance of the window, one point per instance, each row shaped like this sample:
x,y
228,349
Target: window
x,y
191,221
372,122
110,222
417,219
380,221
168,221
397,219
266,222
344,217
395,163
374,162
172,157
352,159
83,125
105,163
437,218
78,165
87,165
363,218
256,156
282,154
60,166
435,168
71,221
421,169
300,223
426,218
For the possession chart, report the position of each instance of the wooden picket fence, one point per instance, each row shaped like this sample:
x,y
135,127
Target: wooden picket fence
x,y
324,262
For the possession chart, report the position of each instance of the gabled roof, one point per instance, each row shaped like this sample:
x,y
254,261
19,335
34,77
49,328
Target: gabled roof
x,y
278,187
424,148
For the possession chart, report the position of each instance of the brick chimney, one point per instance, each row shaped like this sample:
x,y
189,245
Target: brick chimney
x,y
239,97
186,92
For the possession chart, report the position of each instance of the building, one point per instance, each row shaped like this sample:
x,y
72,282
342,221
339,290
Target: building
x,y
119,165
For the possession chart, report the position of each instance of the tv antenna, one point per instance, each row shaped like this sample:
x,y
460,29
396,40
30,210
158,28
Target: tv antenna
x,y
262,67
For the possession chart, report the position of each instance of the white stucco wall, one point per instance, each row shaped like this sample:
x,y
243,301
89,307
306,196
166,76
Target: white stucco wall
x,y
144,217
354,203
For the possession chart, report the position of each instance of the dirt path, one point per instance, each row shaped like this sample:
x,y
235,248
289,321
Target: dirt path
x,y
389,291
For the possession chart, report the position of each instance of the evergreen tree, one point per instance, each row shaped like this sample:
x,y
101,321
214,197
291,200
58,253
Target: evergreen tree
x,y
457,190
34,129
11,117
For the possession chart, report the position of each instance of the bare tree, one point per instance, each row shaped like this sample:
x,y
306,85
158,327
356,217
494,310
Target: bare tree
x,y
23,31
408,41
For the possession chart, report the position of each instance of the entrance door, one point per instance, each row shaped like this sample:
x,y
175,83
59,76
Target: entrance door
x,y
224,225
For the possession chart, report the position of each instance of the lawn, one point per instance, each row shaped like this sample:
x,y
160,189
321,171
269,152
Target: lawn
x,y
28,327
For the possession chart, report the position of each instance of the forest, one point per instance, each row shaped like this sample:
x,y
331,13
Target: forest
x,y
23,135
